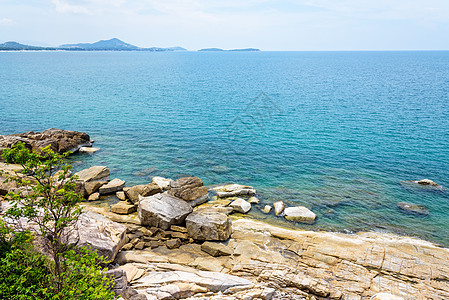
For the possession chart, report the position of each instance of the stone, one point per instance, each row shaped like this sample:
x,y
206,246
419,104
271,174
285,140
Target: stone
x,y
173,243
189,189
125,257
216,249
266,209
89,150
232,190
299,214
427,182
93,186
94,197
123,208
209,226
253,200
279,207
134,192
121,195
140,245
59,140
386,296
180,235
415,209
112,186
240,205
127,247
162,182
178,228
163,210
120,283
99,233
130,270
96,173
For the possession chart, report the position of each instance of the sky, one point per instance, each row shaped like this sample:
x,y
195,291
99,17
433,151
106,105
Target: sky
x,y
291,25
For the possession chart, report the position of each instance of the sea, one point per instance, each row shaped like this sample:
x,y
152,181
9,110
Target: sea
x,y
337,132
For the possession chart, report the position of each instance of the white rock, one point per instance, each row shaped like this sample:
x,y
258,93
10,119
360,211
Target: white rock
x,y
279,207
88,149
163,183
253,200
266,209
240,205
299,214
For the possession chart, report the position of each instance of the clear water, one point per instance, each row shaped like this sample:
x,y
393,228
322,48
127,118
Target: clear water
x,y
334,131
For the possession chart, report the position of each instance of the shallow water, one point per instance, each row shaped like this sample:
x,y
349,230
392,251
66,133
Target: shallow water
x,y
334,131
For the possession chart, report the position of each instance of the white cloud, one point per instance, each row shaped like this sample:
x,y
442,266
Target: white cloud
x,y
64,7
6,22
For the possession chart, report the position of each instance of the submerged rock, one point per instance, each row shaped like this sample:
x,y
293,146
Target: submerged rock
x,y
163,210
413,208
427,182
208,225
299,214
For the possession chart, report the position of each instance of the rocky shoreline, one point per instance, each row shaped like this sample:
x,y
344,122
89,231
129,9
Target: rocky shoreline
x,y
180,240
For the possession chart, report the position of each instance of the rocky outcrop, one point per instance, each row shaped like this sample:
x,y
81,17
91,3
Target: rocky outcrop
x,y
134,192
189,189
59,140
414,209
163,210
208,225
299,214
99,233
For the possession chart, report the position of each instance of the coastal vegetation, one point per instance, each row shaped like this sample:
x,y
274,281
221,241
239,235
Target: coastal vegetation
x,y
38,259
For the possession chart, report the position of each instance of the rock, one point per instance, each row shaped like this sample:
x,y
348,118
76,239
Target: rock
x,y
427,182
279,207
134,192
93,186
125,257
98,232
253,200
173,243
232,190
178,228
266,209
112,186
208,226
89,150
213,281
59,140
96,173
121,195
216,249
94,197
163,210
386,296
120,283
127,247
140,245
123,208
240,205
162,182
299,214
189,189
413,208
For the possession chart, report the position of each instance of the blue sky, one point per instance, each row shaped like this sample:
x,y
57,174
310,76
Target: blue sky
x,y
265,24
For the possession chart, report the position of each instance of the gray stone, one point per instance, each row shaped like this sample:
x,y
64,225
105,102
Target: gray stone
x,y
189,189
112,186
163,210
299,214
173,243
240,205
209,226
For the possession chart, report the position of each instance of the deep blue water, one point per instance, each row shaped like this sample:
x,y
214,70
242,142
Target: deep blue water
x,y
334,131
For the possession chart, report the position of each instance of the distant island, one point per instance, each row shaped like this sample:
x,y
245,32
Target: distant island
x,y
103,45
219,49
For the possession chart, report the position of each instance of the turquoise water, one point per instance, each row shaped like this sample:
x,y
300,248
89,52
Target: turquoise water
x,y
334,131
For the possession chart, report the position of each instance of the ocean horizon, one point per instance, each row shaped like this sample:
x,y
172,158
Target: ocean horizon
x,y
335,131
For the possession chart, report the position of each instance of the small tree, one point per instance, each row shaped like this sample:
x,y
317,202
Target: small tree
x,y
51,202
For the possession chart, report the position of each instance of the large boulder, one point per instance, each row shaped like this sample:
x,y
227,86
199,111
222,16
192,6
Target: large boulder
x,y
59,140
98,232
163,210
112,186
240,205
414,209
146,190
189,189
208,225
299,214
94,174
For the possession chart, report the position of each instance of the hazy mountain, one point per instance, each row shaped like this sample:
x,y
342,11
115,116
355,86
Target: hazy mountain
x,y
218,49
112,44
18,46
211,49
